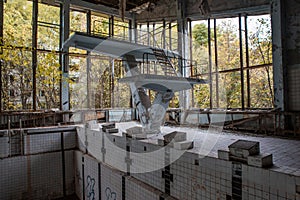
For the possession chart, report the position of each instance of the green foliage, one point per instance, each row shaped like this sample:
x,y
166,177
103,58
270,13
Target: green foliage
x,y
200,34
260,51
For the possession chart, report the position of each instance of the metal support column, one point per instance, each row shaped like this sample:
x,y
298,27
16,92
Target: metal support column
x,y
132,30
88,61
153,35
148,34
1,50
241,63
64,61
216,64
111,26
34,50
278,32
191,58
170,36
210,65
247,63
183,49
164,34
112,65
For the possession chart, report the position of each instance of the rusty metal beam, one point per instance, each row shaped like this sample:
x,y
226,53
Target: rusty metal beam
x,y
1,50
34,52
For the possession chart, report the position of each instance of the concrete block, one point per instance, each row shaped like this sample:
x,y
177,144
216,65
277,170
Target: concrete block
x,y
261,160
112,130
160,142
134,130
184,145
244,148
223,154
140,136
108,126
175,136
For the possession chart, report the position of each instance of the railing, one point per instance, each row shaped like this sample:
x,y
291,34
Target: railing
x,y
267,121
144,37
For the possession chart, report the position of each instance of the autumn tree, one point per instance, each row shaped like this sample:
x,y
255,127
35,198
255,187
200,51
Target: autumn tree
x,y
16,70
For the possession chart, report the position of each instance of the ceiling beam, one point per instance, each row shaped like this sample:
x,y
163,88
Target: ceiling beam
x,y
96,8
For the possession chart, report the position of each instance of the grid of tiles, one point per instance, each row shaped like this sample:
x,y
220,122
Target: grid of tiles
x,y
4,147
78,155
45,175
195,177
42,143
13,178
70,171
139,190
203,178
111,183
91,178
36,176
265,184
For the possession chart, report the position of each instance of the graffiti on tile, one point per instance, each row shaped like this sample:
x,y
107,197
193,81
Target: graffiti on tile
x,y
90,192
110,195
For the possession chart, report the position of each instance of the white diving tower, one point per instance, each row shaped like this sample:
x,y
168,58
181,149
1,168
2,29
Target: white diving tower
x,y
164,81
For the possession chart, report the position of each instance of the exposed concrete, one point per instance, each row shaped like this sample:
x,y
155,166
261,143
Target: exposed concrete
x,y
278,69
200,9
286,51
165,9
292,44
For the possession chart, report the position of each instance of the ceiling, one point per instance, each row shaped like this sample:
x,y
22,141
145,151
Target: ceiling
x,y
131,5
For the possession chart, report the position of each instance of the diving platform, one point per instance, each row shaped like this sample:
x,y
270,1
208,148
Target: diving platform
x,y
112,47
162,83
137,59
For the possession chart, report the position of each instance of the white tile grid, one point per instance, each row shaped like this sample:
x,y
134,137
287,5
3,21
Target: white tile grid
x,y
78,174
114,156
4,147
46,175
94,143
42,143
154,179
111,183
120,141
91,178
69,140
81,139
185,180
13,181
226,176
136,190
70,172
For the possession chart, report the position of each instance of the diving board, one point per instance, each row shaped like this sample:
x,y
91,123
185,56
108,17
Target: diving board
x,y
112,47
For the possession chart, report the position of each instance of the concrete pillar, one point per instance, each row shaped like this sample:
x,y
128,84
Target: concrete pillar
x,y
64,61
133,29
286,62
34,51
278,54
291,11
183,49
1,41
88,61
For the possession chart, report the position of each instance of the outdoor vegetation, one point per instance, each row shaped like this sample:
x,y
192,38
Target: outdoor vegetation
x,y
96,85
